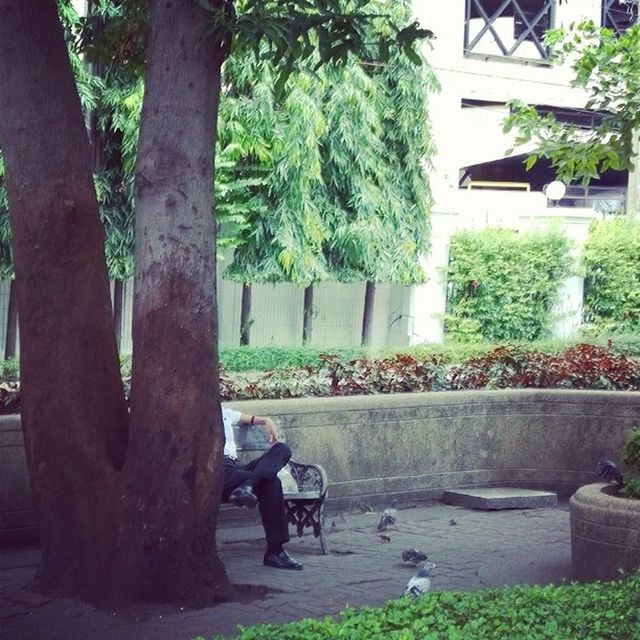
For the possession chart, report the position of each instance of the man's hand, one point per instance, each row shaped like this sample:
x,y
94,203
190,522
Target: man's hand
x,y
270,430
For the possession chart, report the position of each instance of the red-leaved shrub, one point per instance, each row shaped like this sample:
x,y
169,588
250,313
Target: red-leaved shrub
x,y
581,367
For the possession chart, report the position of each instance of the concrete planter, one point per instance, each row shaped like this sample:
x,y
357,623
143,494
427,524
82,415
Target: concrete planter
x,y
605,533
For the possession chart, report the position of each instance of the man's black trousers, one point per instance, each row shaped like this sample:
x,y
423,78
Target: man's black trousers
x,y
261,474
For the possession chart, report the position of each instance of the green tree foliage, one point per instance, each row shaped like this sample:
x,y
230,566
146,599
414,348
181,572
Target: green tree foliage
x,y
345,195
607,67
118,118
270,174
611,259
322,179
377,146
502,284
115,97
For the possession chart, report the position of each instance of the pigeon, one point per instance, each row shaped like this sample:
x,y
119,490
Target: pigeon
x,y
388,517
609,471
386,520
413,556
420,583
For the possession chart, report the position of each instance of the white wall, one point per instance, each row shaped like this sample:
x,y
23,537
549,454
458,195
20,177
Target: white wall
x,y
470,136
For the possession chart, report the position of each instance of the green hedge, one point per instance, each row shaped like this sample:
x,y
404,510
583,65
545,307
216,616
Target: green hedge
x,y
595,611
611,258
502,285
266,358
236,359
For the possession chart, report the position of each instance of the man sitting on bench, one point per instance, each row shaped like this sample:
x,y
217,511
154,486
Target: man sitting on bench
x,y
257,482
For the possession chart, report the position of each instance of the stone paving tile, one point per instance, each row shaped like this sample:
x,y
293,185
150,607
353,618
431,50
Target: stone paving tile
x,y
480,549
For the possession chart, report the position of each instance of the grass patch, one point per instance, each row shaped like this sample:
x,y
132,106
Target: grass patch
x,y
595,611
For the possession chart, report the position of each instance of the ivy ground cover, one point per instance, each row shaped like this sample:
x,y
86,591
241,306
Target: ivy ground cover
x,y
594,611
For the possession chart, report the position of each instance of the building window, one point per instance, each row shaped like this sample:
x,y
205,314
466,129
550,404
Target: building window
x,y
508,28
619,15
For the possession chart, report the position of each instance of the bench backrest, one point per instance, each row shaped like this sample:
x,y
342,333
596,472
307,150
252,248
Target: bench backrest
x,y
250,438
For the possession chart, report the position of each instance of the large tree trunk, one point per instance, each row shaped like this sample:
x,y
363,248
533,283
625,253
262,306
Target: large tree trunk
x,y
245,315
74,415
126,514
173,471
367,314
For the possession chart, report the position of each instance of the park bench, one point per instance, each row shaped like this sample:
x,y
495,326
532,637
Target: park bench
x,y
304,504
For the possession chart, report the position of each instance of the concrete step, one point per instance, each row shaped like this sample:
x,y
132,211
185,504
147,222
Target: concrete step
x,y
500,498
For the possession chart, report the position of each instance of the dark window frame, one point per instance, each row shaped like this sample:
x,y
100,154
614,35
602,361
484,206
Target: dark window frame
x,y
611,10
526,28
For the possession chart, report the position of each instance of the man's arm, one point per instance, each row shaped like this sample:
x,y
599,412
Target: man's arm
x,y
270,428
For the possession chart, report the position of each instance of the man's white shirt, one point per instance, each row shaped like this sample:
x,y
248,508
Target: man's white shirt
x,y
230,417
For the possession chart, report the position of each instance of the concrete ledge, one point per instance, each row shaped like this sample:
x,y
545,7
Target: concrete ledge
x,y
500,498
605,533
415,446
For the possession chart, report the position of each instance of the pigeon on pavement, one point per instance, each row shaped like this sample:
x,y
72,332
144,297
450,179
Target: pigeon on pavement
x,y
420,583
386,521
413,556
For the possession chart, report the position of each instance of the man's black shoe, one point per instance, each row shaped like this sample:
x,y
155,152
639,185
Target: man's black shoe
x,y
281,560
243,496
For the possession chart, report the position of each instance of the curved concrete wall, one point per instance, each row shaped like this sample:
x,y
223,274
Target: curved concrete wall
x,y
413,446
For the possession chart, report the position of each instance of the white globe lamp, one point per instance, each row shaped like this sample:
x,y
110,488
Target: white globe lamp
x,y
555,190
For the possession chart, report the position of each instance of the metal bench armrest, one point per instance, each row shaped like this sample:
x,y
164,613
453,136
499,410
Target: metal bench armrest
x,y
309,477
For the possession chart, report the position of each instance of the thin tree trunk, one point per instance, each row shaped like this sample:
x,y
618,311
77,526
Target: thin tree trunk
x,y
118,299
367,314
74,416
11,338
245,315
173,471
307,316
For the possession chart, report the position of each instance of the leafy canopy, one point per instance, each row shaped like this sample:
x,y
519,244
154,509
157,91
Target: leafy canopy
x,y
286,32
607,67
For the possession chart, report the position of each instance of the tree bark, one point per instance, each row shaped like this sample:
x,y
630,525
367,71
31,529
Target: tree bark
x,y
307,315
74,414
367,314
173,471
245,315
126,508
11,338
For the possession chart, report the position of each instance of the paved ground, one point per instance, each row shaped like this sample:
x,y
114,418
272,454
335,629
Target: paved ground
x,y
472,549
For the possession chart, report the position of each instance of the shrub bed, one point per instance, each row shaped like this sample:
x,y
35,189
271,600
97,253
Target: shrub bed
x,y
582,366
597,611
